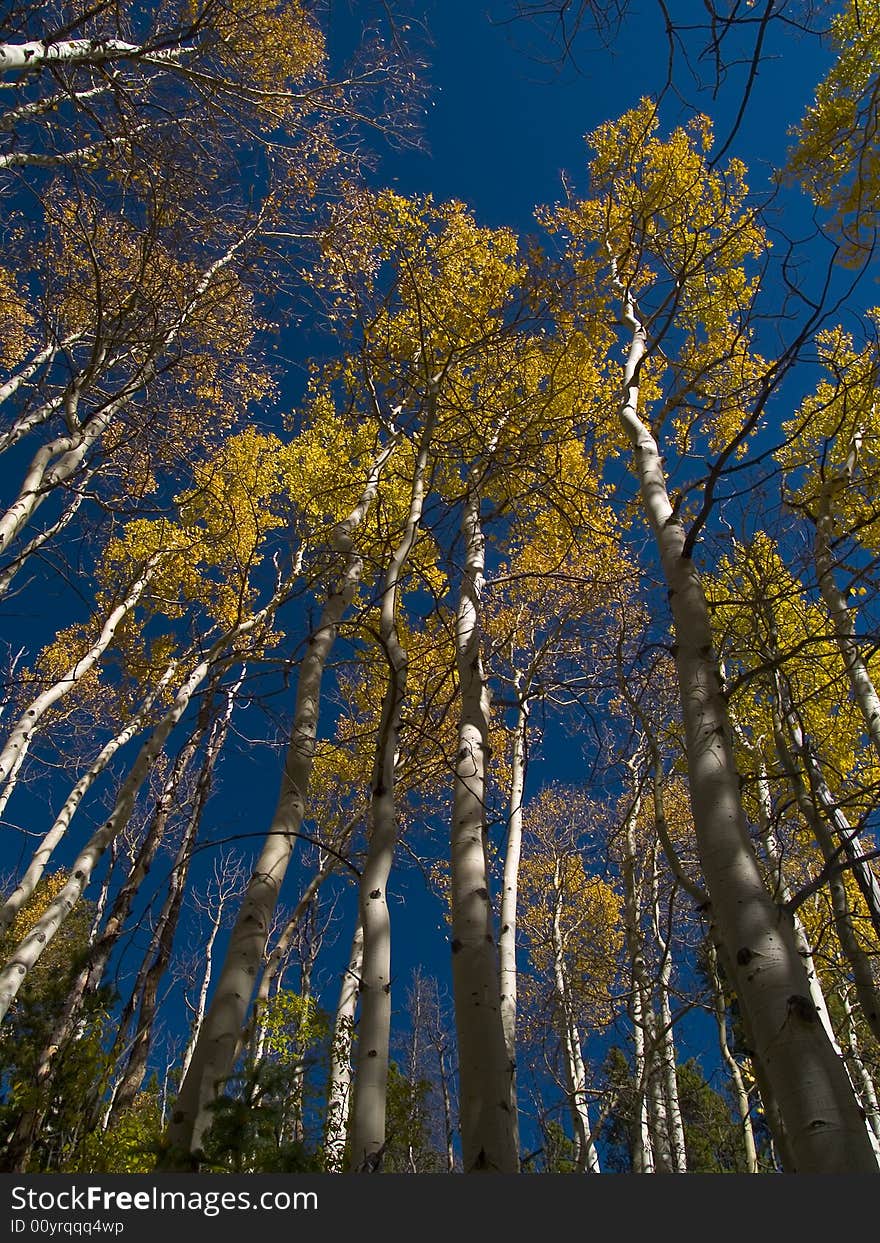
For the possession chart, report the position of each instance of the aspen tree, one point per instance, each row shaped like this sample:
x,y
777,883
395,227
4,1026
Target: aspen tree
x,y
835,157
831,465
659,202
368,1120
741,1092
571,926
485,1070
33,945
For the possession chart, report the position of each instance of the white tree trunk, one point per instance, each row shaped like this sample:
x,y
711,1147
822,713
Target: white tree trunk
x,y
638,1002
666,1045
340,1073
488,1126
867,1088
202,1000
859,962
371,1075
842,617
586,1157
57,463
38,53
28,952
509,894
781,888
740,1091
22,733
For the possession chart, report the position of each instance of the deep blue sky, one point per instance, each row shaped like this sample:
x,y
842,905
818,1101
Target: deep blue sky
x,y
502,126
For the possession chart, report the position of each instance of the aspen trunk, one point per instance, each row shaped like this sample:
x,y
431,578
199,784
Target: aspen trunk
x,y
643,1148
29,951
488,1126
867,1089
809,1083
282,945
371,1075
144,995
90,975
740,1091
57,463
202,1002
667,1058
586,1157
22,733
782,892
340,1074
842,618
509,894
38,53
862,974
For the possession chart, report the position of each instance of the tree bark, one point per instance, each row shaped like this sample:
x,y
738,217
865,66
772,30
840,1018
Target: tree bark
x,y
371,1074
488,1126
340,1075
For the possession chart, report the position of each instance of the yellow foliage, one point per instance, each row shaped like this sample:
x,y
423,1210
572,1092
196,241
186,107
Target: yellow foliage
x,y
832,449
677,236
271,45
836,158
763,621
564,909
16,322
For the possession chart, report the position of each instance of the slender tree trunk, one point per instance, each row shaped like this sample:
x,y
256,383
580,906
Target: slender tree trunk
x,y
282,946
643,1150
340,1075
509,894
586,1157
144,996
57,463
89,977
448,1128
809,1083
843,618
488,1126
862,974
867,1087
783,894
28,952
201,1003
371,1074
827,809
740,1091
666,1045
25,423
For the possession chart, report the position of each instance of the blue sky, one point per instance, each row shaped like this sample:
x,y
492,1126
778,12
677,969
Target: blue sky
x,y
501,126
